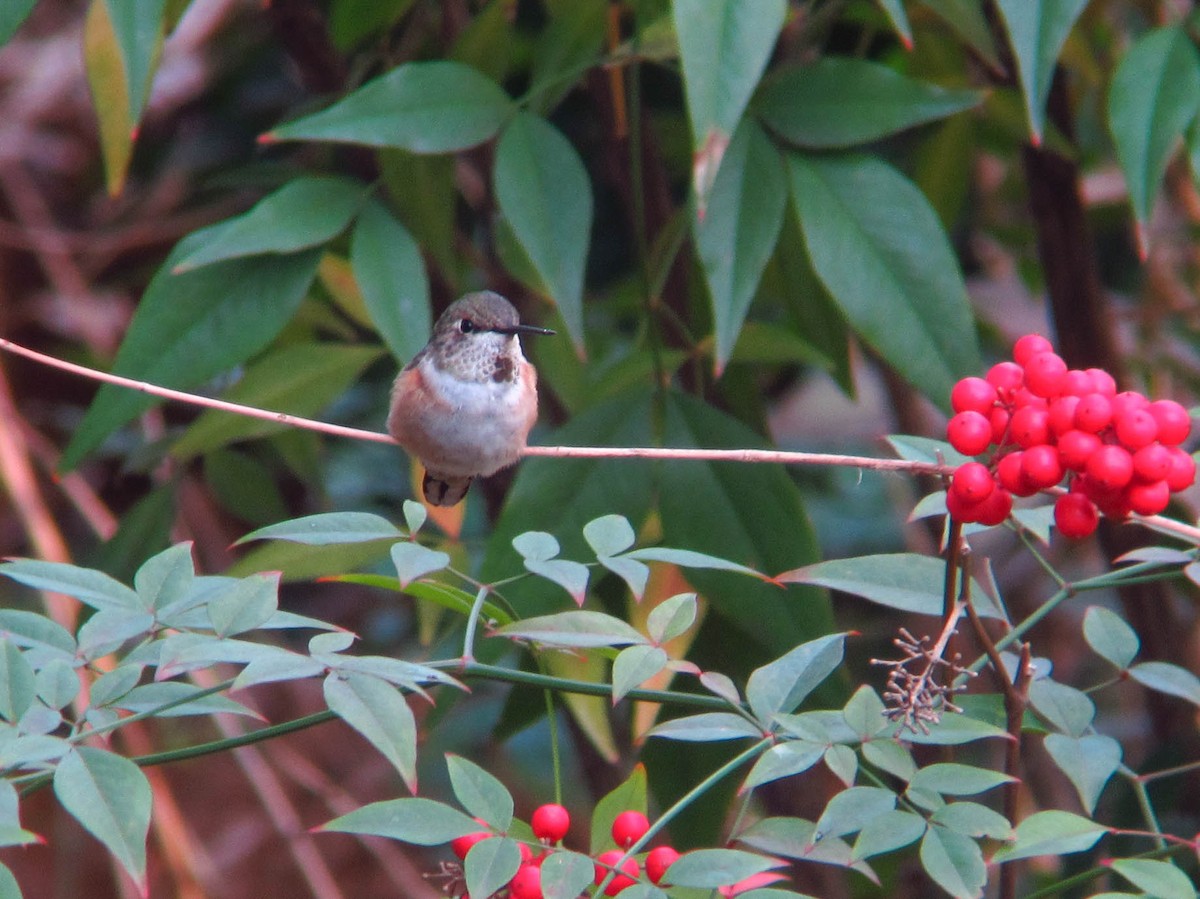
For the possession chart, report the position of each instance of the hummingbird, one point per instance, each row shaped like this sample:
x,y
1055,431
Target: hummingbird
x,y
465,403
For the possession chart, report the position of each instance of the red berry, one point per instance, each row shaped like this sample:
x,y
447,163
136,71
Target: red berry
x,y
463,844
995,508
630,826
1011,476
1174,423
550,822
1041,466
657,862
1061,413
1075,516
969,433
1126,401
999,419
972,482
526,883
1183,470
1110,467
1135,428
1148,499
1103,382
1076,447
608,860
960,509
1094,413
1077,383
1030,345
1151,463
973,394
1007,378
1030,426
1045,375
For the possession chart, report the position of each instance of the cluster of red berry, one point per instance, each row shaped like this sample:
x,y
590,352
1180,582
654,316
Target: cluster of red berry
x,y
1043,422
550,824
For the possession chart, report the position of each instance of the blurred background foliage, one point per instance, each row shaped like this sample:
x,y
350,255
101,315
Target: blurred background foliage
x,y
808,275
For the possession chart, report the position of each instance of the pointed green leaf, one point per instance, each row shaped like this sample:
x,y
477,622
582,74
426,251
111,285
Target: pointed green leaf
x,y
891,756
1110,636
635,665
630,794
969,22
45,639
1037,30
379,712
90,587
138,26
481,794
954,779
18,683
184,699
1168,678
890,830
955,729
277,667
544,194
609,535
905,293
298,379
909,582
57,683
1163,880
193,326
165,577
108,629
580,629
391,275
864,713
1088,761
1154,95
110,797
490,865
422,822
737,233
688,558
783,684
1068,709
114,684
783,760
110,92
724,45
710,868
565,50
1051,832
706,727
851,809
954,861
671,617
565,875
329,527
973,820
840,102
425,107
247,604
843,762
413,561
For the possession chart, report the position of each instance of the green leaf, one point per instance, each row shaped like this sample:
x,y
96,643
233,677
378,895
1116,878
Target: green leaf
x,y
1154,95
840,102
671,617
298,379
391,275
688,558
9,888
578,628
109,86
1163,880
1066,708
379,712
736,235
165,577
1088,761
110,797
904,294
480,793
973,820
114,684
710,868
12,14
783,760
609,535
107,630
151,697
724,45
1167,678
565,50
539,549
57,683
955,729
565,875
843,763
1051,832
544,194
45,639
425,107
18,683
422,822
891,756
635,665
890,830
1037,31
1108,634
793,837
138,26
490,865
783,684
909,582
247,604
894,10
90,587
193,326
865,713
306,212
706,727
955,779
967,19
630,794
329,527
277,667
413,561
851,809
954,861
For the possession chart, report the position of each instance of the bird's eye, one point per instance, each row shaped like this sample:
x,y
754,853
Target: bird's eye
x,y
466,326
